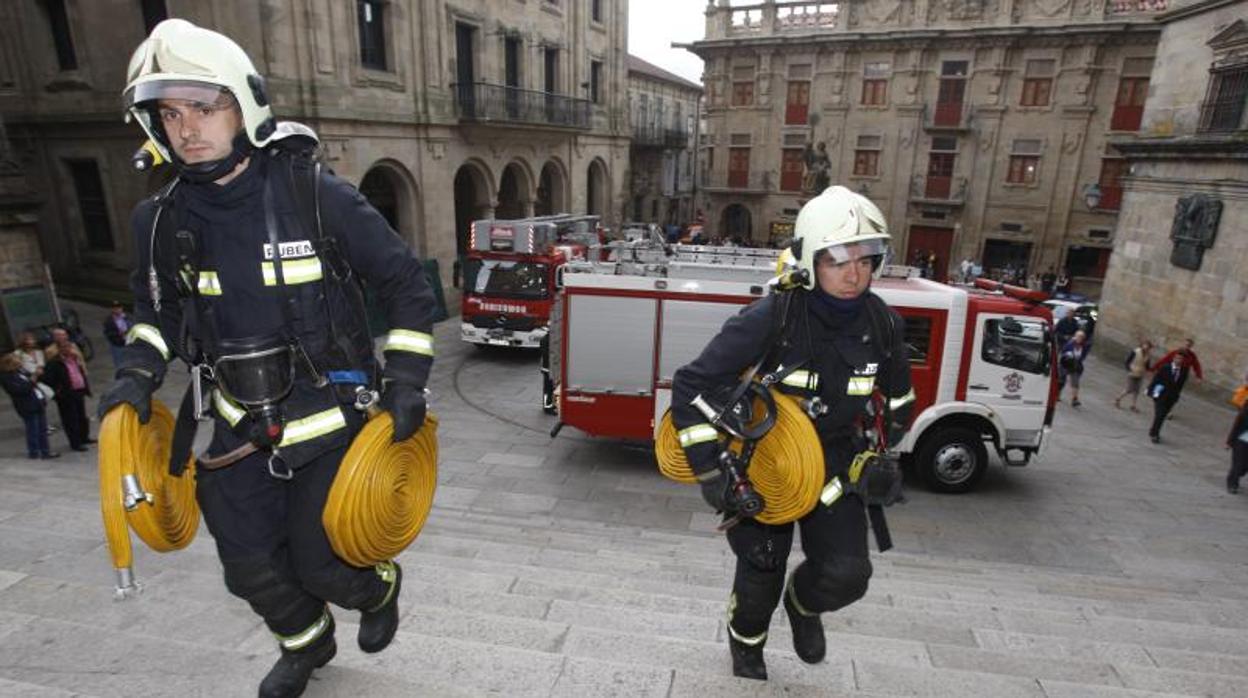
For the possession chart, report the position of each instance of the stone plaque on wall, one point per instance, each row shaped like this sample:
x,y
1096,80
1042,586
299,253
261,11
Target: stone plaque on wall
x,y
1195,227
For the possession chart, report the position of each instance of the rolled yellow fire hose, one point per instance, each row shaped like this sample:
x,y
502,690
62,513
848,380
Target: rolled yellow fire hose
x,y
786,469
382,493
137,492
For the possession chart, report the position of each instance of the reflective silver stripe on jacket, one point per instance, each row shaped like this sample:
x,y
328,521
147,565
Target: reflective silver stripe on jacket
x,y
151,335
696,434
209,284
860,385
805,380
302,639
409,340
294,271
228,410
312,426
902,401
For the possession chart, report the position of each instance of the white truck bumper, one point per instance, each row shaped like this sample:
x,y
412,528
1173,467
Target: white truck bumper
x,y
498,336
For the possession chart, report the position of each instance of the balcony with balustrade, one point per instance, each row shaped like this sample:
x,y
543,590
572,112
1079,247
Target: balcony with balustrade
x,y
485,103
938,191
651,136
738,182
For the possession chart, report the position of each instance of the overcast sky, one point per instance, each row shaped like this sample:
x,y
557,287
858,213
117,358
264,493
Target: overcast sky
x,y
654,24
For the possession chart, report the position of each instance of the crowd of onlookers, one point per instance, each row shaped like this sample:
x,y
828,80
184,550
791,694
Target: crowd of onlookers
x,y
37,376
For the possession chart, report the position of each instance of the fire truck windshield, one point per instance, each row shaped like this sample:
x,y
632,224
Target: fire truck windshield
x,y
505,279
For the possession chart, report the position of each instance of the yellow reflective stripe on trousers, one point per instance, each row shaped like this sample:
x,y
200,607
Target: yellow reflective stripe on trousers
x,y
294,271
228,410
901,401
313,426
802,379
302,639
409,340
752,641
208,283
696,434
151,335
860,385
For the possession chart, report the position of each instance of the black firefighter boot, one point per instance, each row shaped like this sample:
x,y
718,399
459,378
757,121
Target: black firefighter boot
x,y
808,638
747,659
289,676
379,623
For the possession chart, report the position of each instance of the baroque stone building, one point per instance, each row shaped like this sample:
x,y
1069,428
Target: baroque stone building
x,y
978,126
1180,267
441,111
663,108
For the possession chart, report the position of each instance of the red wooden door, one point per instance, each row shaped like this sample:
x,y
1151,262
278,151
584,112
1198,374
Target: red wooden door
x,y
1112,171
738,167
1129,105
949,101
924,240
939,175
797,104
792,166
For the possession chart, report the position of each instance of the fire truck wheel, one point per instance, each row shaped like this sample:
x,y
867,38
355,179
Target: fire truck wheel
x,y
952,460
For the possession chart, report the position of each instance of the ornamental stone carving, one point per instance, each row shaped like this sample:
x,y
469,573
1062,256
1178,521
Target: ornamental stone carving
x,y
1195,227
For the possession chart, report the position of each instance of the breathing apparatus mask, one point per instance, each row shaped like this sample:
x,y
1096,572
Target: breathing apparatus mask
x,y
257,373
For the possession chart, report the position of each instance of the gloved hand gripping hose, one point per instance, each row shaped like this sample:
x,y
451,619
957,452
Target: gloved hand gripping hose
x,y
382,493
786,467
137,492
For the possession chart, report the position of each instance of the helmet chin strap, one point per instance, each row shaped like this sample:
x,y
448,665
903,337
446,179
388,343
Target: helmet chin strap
x,y
213,170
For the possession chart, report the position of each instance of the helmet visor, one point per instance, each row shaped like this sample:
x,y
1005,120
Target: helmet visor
x,y
840,254
185,90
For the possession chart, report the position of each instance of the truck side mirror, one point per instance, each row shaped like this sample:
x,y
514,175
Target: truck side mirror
x,y
559,276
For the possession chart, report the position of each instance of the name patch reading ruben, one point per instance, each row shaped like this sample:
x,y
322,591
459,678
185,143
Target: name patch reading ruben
x,y
291,250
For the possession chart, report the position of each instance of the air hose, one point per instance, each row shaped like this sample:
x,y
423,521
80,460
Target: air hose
x,y
786,468
137,492
382,493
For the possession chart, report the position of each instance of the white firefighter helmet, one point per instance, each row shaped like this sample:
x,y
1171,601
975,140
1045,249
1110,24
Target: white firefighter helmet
x,y
179,60
842,222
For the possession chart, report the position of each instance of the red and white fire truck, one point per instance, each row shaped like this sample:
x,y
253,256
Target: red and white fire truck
x,y
510,275
982,362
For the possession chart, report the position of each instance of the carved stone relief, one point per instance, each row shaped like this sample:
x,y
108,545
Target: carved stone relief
x,y
1195,227
1070,142
1052,8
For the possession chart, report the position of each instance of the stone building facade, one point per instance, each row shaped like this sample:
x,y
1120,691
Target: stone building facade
x,y
1180,267
663,108
24,300
978,126
441,111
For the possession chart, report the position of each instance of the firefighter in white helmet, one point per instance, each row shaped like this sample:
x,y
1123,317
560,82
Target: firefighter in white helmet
x,y
833,343
248,270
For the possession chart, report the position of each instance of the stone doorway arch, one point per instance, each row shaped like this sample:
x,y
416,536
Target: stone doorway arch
x,y
736,222
473,197
515,192
597,188
552,190
391,189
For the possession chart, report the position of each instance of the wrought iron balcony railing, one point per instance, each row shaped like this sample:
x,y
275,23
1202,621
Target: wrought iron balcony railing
x,y
653,136
484,102
739,181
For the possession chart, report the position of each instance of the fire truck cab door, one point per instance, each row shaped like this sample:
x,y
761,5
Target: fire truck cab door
x,y
1009,372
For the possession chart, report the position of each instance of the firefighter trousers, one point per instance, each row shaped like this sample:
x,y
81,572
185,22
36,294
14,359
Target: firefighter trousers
x,y
272,544
833,575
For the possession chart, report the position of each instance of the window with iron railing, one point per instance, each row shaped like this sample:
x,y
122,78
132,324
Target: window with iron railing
x,y
1225,106
867,156
1037,83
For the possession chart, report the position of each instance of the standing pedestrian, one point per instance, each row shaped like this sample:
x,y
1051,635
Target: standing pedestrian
x,y
1070,361
30,354
1137,365
846,341
66,373
1165,388
116,325
280,248
1048,280
1237,441
1061,285
30,404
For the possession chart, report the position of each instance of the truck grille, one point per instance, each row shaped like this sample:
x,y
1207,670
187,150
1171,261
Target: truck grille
x,y
505,322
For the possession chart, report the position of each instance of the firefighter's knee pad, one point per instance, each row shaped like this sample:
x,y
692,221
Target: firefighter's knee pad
x,y
343,585
834,583
272,594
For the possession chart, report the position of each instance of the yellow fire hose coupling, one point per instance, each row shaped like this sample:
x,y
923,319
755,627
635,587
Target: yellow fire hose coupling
x,y
786,469
138,494
382,493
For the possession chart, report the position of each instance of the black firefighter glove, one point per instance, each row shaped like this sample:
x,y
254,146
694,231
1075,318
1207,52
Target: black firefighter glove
x,y
406,405
132,387
714,488
877,478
